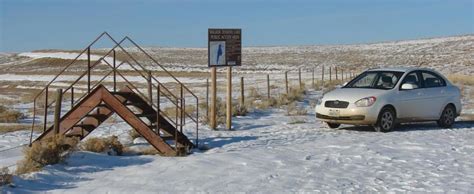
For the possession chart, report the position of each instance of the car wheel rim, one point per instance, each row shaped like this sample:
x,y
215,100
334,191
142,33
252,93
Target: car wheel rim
x,y
387,120
448,116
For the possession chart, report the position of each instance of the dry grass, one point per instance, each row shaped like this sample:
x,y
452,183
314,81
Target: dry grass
x,y
111,145
49,151
10,127
461,79
149,151
6,178
134,134
296,120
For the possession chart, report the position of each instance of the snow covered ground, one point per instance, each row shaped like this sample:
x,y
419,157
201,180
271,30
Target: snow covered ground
x,y
270,152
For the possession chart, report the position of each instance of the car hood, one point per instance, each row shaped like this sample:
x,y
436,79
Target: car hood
x,y
352,94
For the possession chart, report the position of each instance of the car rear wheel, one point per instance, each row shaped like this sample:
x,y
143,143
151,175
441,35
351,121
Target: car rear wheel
x,y
333,125
447,117
386,121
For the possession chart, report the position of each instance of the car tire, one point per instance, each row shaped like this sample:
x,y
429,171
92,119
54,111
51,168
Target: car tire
x,y
333,125
386,121
447,117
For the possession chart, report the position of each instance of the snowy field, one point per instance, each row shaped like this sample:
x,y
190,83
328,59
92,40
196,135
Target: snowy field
x,y
270,152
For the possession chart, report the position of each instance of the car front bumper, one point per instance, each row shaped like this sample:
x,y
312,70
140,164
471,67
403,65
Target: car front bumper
x,y
351,115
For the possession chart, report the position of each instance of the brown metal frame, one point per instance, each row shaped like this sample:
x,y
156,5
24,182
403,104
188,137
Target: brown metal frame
x,y
161,89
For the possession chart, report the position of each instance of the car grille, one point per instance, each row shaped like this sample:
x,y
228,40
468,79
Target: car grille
x,y
336,104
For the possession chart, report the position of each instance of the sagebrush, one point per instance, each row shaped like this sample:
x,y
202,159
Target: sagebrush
x,y
51,150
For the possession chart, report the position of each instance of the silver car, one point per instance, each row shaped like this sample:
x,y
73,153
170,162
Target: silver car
x,y
382,98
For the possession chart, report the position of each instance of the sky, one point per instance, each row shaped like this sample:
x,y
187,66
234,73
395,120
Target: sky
x,y
27,25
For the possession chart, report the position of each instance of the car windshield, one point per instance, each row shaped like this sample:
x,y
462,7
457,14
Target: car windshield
x,y
375,79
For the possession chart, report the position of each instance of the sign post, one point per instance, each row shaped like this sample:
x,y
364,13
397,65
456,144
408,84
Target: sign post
x,y
224,50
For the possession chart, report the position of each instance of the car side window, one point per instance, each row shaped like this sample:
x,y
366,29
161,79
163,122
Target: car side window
x,y
412,78
432,80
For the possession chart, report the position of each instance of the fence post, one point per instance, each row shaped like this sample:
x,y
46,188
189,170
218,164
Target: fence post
x,y
286,81
268,86
242,93
229,99
335,68
57,110
322,77
213,118
207,98
299,78
342,74
330,74
313,78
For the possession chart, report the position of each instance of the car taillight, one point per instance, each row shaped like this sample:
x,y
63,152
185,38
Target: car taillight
x,y
365,102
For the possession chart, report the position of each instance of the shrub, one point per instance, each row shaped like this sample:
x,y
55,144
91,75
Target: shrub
x,y
6,177
111,145
239,110
9,115
293,110
49,151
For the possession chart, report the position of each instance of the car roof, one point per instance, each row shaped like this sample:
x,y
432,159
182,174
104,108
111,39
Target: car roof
x,y
400,69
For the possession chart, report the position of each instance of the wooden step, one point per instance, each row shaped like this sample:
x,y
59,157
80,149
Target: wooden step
x,y
133,104
122,93
86,126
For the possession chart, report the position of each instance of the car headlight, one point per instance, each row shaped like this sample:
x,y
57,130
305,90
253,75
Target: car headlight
x,y
365,102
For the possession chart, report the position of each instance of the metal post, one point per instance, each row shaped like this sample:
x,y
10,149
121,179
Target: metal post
x,y
268,86
158,109
182,109
150,92
45,119
72,97
313,78
176,131
286,81
242,92
335,68
57,110
88,69
115,74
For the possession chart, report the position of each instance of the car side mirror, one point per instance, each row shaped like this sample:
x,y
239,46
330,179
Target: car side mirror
x,y
409,86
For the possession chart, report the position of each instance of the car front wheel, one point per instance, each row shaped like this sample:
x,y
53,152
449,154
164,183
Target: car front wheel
x,y
333,125
386,121
447,117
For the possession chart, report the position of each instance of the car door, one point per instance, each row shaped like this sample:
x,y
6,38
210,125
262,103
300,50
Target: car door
x,y
410,102
435,92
